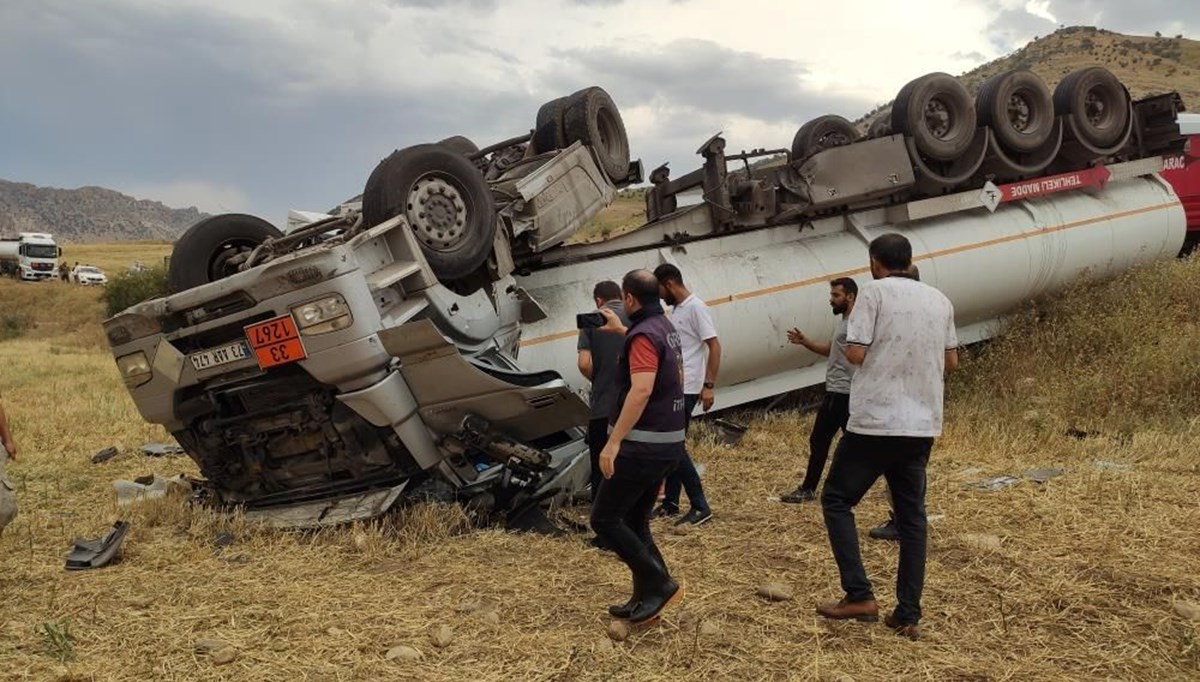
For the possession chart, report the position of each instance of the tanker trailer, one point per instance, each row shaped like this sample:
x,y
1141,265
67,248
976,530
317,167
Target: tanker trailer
x,y
1003,202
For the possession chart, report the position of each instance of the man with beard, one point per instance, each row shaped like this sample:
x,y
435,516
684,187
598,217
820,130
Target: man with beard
x,y
701,360
902,336
645,444
835,407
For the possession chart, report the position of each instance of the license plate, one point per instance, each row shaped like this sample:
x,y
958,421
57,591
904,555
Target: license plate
x,y
275,342
219,356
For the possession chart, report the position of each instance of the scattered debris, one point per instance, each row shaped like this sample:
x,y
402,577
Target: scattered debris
x,y
208,646
162,450
1043,475
775,592
1187,610
1112,466
403,653
148,488
728,433
104,455
982,541
618,631
996,483
88,554
441,636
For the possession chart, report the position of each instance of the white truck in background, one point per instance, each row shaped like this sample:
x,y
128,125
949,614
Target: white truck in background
x,y
30,256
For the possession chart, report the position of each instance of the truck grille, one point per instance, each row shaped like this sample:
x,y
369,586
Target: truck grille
x,y
218,336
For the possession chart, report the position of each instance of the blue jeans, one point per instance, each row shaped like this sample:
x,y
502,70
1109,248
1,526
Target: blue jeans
x,y
857,463
686,477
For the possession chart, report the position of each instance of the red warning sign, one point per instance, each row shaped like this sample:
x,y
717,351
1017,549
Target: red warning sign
x,y
1096,176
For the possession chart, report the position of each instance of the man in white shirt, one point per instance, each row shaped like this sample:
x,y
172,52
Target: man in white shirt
x,y
901,334
701,360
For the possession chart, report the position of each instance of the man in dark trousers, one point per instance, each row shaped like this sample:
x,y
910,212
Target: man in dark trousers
x,y
902,336
835,407
701,361
599,358
645,444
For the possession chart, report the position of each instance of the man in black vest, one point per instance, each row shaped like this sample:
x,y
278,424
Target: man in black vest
x,y
646,442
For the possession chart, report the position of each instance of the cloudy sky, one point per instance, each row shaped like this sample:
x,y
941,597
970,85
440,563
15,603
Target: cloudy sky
x,y
266,105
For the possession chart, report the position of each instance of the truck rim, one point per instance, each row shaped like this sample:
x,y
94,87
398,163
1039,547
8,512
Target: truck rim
x,y
437,211
1099,114
938,118
1019,112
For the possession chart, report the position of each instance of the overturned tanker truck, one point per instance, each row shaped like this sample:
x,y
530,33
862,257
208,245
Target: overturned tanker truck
x,y
420,337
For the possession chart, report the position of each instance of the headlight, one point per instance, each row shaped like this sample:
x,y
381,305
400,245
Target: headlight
x,y
323,315
135,369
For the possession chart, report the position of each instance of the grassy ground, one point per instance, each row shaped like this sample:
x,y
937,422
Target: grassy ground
x,y
621,216
1076,578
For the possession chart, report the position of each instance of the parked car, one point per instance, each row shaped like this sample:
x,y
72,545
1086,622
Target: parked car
x,y
88,275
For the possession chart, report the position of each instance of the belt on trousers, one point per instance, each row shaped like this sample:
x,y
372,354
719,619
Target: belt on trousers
x,y
655,437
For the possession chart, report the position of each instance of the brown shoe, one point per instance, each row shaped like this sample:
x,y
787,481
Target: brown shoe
x,y
909,630
865,611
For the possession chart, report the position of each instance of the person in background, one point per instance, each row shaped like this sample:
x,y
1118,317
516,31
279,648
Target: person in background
x,y
902,336
645,444
835,407
64,273
599,359
701,361
8,494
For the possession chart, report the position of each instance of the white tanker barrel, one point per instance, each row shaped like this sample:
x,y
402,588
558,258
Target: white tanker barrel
x,y
761,283
9,249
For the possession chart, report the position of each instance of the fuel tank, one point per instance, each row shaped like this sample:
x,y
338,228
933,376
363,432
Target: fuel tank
x,y
761,283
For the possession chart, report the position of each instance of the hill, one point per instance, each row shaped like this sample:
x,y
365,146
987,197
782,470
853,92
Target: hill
x,y
1147,65
88,214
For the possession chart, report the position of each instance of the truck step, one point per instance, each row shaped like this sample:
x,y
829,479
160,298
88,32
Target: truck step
x,y
389,275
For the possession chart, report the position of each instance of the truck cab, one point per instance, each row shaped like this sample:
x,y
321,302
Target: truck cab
x,y
1183,172
30,256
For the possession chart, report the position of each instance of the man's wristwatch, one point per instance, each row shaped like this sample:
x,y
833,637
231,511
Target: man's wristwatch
x,y
709,384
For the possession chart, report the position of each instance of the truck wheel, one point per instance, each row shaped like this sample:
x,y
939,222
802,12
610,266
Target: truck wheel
x,y
936,111
548,133
1018,107
460,144
1097,102
821,133
592,118
209,250
446,201
880,127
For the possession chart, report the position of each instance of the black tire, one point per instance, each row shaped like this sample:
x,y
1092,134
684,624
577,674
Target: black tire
x,y
936,111
548,133
821,133
880,127
1018,107
456,224
460,144
593,119
206,251
1097,102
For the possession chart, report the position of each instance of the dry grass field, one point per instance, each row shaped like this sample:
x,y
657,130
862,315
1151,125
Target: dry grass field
x,y
1083,577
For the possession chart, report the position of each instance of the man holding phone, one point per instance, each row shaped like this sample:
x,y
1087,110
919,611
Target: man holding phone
x,y
599,357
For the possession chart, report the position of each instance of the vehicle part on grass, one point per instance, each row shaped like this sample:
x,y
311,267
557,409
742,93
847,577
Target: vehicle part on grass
x,y
104,455
443,198
996,483
215,248
89,554
149,487
162,450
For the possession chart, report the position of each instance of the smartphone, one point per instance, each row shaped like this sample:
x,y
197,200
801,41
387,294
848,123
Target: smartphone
x,y
589,321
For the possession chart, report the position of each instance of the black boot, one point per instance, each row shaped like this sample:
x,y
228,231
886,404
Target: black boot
x,y
656,599
624,611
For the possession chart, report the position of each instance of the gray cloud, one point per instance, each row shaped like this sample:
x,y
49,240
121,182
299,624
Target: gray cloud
x,y
701,75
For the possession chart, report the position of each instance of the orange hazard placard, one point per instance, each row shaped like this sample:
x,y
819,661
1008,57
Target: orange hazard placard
x,y
275,342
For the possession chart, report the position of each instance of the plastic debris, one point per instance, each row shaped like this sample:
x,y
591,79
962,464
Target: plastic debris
x,y
148,488
88,554
161,450
104,455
